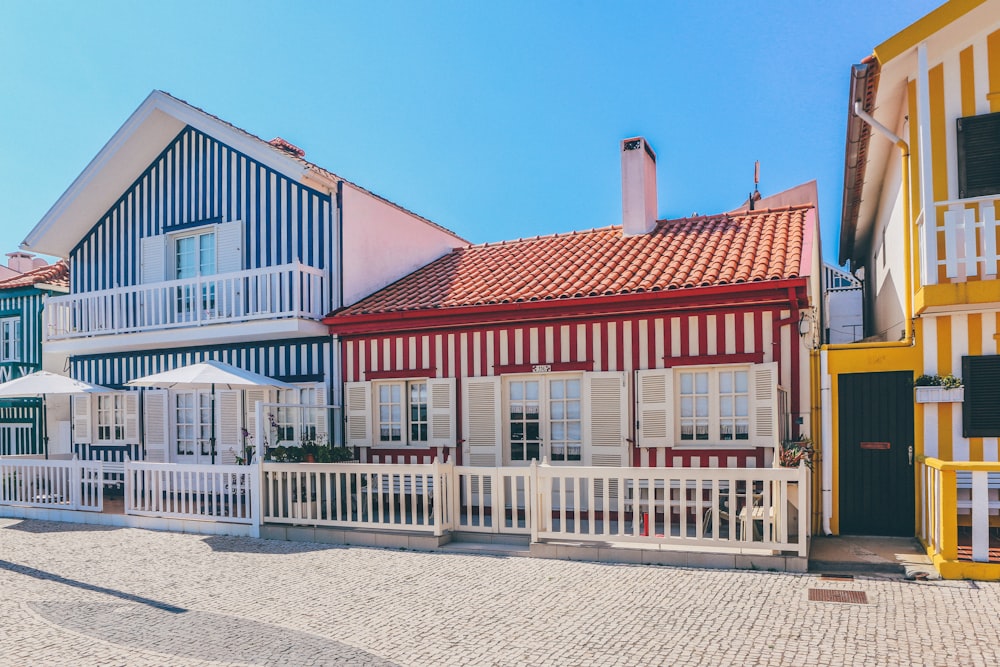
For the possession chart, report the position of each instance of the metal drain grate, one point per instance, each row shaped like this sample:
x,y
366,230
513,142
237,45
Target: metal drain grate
x,y
826,595
837,577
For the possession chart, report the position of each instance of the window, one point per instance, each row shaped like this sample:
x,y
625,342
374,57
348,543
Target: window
x,y
10,339
110,417
401,408
194,256
194,423
544,418
978,155
981,376
297,422
714,405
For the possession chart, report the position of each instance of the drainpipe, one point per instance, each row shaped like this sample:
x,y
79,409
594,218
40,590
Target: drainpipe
x,y
904,153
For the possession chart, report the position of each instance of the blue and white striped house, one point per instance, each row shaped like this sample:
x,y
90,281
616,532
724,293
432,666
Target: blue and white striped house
x,y
22,299
189,239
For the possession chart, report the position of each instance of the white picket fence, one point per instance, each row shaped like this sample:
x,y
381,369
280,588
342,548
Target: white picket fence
x,y
59,484
683,507
202,492
702,509
706,509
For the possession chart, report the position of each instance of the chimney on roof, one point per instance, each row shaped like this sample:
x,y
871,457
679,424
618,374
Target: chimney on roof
x,y
638,187
22,262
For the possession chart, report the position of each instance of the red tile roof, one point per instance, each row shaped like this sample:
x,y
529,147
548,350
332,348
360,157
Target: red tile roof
x,y
54,274
737,247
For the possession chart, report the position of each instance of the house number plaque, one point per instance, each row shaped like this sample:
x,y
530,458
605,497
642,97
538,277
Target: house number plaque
x,y
875,445
541,368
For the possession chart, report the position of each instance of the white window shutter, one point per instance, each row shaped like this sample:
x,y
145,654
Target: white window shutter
x,y
656,407
441,415
229,247
605,428
154,259
483,421
81,419
252,397
131,417
765,404
357,412
156,425
320,414
228,434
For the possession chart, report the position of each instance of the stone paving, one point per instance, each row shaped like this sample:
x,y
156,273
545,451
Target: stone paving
x,y
86,595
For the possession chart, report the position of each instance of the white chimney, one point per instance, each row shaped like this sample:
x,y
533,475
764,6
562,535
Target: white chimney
x,y
638,187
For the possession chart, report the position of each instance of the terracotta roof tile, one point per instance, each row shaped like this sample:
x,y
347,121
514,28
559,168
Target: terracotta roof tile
x,y
705,251
54,274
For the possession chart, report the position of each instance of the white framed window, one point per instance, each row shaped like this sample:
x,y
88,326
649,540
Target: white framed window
x,y
713,405
732,405
418,412
10,339
543,417
110,417
401,412
194,257
193,425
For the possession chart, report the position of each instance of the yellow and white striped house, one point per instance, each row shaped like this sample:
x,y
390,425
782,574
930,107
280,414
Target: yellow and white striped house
x,y
919,226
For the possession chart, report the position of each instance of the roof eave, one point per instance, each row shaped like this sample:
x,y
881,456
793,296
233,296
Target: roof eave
x,y
736,294
864,84
124,157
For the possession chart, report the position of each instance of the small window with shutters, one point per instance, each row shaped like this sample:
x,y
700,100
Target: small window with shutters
x,y
978,155
981,376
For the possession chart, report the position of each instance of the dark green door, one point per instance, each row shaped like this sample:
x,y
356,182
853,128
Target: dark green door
x,y
876,456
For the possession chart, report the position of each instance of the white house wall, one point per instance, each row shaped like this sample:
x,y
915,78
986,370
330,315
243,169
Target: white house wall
x,y
383,243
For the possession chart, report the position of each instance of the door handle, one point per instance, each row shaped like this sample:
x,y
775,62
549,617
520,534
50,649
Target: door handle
x,y
909,454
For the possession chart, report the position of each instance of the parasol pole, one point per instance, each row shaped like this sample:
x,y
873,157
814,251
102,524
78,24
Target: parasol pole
x,y
211,440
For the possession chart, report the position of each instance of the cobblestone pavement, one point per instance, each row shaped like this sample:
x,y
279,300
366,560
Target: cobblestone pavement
x,y
85,595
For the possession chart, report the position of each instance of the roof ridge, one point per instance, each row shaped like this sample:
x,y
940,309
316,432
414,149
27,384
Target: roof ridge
x,y
309,165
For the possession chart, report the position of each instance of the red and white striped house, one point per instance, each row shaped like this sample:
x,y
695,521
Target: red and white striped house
x,y
653,343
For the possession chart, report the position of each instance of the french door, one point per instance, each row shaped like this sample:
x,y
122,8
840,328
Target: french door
x,y
193,426
543,419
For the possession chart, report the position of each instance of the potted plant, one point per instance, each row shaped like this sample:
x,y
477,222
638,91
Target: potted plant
x,y
795,452
938,389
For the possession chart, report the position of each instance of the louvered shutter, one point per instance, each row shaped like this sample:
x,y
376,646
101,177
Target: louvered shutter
x,y
320,416
441,415
980,413
253,396
656,407
156,424
606,424
229,247
228,433
357,412
482,419
131,399
154,259
765,404
978,141
81,419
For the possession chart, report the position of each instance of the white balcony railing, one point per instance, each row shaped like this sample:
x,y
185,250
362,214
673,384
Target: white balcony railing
x,y
970,240
284,291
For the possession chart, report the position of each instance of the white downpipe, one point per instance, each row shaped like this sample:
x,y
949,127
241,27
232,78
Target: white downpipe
x,y
826,455
868,118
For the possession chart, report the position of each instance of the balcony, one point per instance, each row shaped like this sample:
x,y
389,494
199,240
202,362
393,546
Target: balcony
x,y
288,291
968,240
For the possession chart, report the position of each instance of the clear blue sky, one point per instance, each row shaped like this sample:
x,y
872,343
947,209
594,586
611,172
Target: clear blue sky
x,y
497,120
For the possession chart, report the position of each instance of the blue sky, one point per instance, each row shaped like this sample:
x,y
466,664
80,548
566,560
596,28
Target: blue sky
x,y
497,120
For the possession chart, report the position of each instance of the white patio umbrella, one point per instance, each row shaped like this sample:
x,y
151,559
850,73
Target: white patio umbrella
x,y
209,375
42,383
